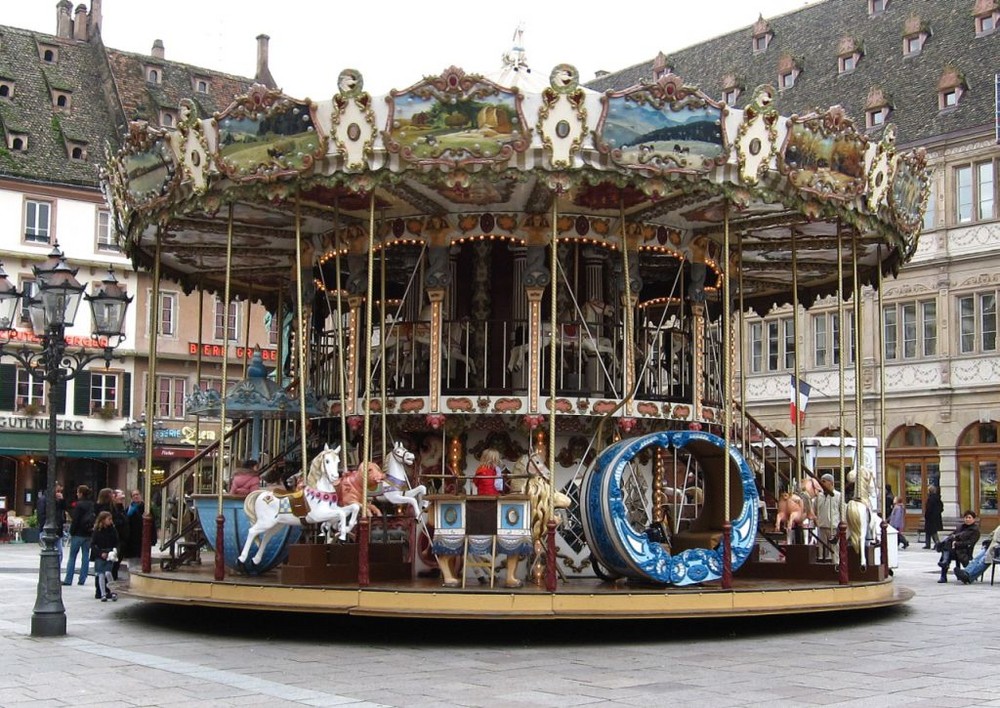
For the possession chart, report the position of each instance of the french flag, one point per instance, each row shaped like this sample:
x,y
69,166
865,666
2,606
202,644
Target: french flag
x,y
798,396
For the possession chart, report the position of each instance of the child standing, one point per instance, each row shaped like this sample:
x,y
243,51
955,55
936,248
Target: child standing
x,y
102,543
897,519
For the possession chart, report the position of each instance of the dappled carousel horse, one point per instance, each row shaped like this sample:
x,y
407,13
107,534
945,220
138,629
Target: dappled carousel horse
x,y
266,508
395,486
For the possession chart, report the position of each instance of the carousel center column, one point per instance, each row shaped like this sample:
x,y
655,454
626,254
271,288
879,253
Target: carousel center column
x,y
536,279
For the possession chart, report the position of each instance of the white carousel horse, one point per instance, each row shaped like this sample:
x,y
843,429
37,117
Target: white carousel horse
x,y
401,337
266,510
395,487
571,336
862,520
451,338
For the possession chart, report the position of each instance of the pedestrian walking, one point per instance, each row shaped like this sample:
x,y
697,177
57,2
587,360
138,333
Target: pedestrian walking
x,y
933,523
897,519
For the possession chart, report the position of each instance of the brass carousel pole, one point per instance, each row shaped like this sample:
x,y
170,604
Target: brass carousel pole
x,y
795,360
278,430
727,416
220,457
341,369
366,443
842,571
151,391
550,530
382,342
197,373
300,336
881,410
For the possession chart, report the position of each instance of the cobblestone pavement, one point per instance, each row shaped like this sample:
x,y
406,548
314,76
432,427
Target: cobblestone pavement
x,y
941,649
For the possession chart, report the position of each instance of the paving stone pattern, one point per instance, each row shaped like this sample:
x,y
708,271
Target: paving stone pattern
x,y
941,649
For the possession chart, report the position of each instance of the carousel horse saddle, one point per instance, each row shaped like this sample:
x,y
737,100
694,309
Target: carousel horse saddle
x,y
293,502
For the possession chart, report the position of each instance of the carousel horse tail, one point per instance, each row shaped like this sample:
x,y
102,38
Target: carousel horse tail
x,y
856,522
249,506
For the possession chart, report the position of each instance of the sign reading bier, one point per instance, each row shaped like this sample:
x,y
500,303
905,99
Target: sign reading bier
x,y
216,351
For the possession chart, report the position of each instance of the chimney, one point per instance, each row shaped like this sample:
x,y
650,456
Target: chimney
x,y
263,75
157,51
95,18
80,23
64,23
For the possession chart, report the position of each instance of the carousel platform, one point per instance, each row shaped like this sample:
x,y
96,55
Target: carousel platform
x,y
574,599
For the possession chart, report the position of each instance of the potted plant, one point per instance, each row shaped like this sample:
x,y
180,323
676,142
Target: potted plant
x,y
105,412
31,408
31,532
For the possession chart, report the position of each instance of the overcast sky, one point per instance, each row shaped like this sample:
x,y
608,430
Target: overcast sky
x,y
394,44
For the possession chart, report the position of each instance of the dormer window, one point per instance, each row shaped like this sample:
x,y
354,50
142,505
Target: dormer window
x,y
168,118
48,53
77,151
788,72
878,106
950,88
17,141
6,89
877,7
848,55
761,35
154,75
732,87
987,16
876,117
62,99
915,33
201,86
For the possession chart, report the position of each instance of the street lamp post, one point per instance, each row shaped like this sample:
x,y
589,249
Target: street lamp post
x,y
52,310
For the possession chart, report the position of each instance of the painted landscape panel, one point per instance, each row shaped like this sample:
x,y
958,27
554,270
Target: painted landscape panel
x,y
427,127
282,138
830,164
687,136
147,173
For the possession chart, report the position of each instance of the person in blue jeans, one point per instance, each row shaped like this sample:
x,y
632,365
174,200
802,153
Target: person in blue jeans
x,y
983,560
80,529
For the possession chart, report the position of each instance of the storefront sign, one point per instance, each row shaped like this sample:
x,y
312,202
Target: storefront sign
x,y
72,340
16,422
216,351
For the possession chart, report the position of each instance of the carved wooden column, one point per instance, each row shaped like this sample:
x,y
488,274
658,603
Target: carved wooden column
x,y
436,298
697,356
535,346
353,355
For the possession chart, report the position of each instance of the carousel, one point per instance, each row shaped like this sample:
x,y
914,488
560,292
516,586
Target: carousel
x,y
508,372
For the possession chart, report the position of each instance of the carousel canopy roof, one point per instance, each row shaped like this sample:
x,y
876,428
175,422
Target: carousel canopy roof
x,y
659,167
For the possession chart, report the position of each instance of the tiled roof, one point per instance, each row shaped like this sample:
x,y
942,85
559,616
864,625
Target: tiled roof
x,y
30,110
811,36
143,100
94,116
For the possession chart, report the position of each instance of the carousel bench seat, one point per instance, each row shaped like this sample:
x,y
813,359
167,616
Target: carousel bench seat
x,y
687,540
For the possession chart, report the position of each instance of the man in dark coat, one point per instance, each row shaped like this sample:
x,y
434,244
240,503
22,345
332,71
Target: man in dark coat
x,y
959,544
933,524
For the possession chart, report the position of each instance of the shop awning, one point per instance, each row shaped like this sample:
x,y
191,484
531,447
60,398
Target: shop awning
x,y
67,444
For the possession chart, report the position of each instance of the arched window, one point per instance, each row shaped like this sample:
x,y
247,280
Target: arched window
x,y
978,458
77,153
49,56
61,101
17,144
912,464
4,90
